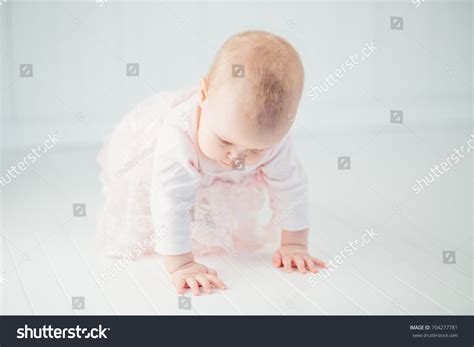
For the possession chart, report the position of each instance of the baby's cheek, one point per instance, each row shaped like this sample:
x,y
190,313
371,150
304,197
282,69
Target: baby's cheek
x,y
252,158
210,149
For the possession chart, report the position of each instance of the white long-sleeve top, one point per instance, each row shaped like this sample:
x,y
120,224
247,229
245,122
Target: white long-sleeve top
x,y
180,168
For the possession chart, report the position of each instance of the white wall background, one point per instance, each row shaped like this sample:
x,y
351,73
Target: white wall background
x,y
79,51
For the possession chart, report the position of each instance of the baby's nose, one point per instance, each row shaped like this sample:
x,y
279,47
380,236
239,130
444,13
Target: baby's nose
x,y
236,153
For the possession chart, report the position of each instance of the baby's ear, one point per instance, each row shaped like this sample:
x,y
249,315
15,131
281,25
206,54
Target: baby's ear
x,y
203,89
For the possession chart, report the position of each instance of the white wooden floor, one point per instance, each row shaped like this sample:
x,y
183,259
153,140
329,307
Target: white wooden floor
x,y
49,256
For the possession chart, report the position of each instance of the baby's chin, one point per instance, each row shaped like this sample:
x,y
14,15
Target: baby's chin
x,y
225,163
222,162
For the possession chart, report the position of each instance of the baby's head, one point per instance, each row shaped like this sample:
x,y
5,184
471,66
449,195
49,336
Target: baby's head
x,y
249,108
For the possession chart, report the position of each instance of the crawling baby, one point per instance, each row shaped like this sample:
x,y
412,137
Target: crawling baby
x,y
186,172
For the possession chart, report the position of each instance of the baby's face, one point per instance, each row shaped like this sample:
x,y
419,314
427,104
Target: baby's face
x,y
227,131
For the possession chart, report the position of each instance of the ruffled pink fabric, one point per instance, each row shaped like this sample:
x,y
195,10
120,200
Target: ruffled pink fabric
x,y
228,217
225,217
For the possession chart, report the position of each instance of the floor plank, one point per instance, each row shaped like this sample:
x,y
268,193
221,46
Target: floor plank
x,y
121,291
74,275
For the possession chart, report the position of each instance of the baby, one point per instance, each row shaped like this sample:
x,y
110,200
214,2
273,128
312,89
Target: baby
x,y
186,172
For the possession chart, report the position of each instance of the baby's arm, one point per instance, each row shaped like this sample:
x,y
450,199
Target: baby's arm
x,y
173,192
186,273
287,184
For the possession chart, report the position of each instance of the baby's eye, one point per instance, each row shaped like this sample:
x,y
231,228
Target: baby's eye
x,y
257,150
224,142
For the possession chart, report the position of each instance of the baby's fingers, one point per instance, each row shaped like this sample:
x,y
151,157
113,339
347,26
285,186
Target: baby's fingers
x,y
310,264
215,281
211,271
319,262
192,283
204,282
287,263
180,284
299,262
276,259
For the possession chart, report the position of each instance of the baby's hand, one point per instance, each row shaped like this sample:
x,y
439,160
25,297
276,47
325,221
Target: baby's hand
x,y
297,256
194,276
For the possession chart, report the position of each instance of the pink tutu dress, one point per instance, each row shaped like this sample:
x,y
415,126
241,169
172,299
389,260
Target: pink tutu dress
x,y
163,195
